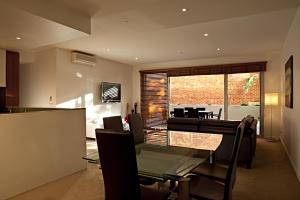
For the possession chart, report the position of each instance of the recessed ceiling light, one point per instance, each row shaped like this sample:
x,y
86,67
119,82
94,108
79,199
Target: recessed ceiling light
x,y
78,74
18,38
218,49
136,58
184,9
205,34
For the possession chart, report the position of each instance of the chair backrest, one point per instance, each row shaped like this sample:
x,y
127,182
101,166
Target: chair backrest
x,y
118,163
192,113
113,123
178,112
231,172
220,112
136,126
201,109
188,108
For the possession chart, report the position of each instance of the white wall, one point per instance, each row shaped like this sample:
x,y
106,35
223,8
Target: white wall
x,y
272,79
85,91
290,119
40,147
53,74
37,80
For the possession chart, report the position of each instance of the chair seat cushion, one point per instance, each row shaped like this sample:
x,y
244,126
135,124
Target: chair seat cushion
x,y
216,172
146,181
202,187
148,193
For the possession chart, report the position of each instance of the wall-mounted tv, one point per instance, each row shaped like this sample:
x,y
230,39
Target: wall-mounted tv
x,y
110,92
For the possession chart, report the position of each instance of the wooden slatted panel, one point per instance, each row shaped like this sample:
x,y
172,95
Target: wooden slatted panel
x,y
154,98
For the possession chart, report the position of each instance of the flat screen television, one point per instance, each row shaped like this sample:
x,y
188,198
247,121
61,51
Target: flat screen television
x,y
110,92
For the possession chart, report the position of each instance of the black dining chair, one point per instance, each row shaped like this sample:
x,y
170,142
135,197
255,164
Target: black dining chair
x,y
113,123
188,108
200,109
214,187
178,112
192,113
218,116
119,168
136,127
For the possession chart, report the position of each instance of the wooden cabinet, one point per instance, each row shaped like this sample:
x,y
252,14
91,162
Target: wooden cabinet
x,y
9,90
2,99
2,68
12,78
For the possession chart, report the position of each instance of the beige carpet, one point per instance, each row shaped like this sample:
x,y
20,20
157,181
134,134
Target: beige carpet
x,y
272,178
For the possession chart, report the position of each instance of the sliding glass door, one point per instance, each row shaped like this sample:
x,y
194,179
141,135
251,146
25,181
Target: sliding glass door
x,y
235,89
237,95
244,96
198,91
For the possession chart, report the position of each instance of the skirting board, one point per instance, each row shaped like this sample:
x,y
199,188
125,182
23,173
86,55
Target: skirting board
x,y
290,158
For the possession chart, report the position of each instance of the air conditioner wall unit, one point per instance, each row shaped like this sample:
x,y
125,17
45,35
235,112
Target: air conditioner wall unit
x,y
83,58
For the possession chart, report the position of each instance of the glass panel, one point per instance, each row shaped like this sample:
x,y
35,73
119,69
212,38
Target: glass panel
x,y
244,96
199,91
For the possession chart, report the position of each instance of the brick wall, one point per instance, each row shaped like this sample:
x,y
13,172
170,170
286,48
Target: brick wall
x,y
209,89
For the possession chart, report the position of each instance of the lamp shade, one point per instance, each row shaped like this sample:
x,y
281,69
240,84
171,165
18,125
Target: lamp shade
x,y
271,99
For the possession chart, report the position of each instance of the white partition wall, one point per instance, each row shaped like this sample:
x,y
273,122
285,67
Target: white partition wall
x,y
39,147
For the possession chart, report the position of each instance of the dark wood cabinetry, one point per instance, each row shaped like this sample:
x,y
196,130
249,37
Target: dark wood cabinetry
x,y
12,78
2,99
9,95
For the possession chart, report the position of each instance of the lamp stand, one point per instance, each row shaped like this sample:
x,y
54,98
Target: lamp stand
x,y
271,139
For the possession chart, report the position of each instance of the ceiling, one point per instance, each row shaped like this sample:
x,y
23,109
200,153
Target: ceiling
x,y
152,31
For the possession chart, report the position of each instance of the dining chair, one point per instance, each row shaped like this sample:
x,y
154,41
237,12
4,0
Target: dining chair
x,y
136,126
119,168
178,112
188,108
216,171
218,116
192,113
209,187
113,123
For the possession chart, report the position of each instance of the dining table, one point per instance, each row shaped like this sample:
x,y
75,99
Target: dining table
x,y
172,158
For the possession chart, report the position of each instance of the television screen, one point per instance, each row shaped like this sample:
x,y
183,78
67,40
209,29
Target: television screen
x,y
111,92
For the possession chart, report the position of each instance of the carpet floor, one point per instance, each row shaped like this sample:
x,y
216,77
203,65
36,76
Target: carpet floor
x,y
272,178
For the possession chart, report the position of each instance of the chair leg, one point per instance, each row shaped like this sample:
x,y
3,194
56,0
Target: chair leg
x,y
183,189
249,165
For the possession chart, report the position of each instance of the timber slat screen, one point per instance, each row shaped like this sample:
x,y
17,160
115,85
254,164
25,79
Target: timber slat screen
x,y
154,98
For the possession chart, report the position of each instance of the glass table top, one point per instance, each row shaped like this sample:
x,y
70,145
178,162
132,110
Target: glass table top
x,y
167,162
171,154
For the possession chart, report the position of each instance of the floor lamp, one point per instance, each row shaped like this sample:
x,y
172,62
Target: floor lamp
x,y
271,99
